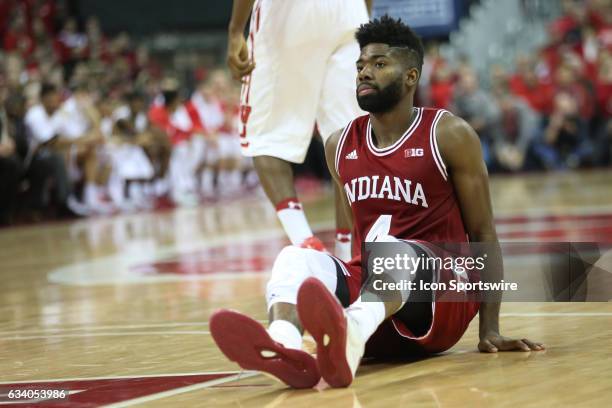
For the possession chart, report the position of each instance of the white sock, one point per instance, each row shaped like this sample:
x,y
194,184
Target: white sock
x,y
285,333
367,315
293,219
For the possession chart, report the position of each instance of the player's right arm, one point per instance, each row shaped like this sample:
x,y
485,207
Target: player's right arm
x,y
343,213
461,151
238,59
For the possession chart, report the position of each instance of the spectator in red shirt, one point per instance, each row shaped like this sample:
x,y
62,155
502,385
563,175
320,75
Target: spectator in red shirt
x,y
603,90
46,10
186,132
174,118
536,92
442,88
17,37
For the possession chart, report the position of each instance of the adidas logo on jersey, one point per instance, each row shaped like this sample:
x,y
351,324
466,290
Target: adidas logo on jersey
x,y
352,155
414,152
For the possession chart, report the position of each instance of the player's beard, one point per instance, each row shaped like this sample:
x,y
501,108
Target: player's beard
x,y
383,100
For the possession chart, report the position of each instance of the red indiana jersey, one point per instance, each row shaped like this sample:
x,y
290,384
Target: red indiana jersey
x,y
402,190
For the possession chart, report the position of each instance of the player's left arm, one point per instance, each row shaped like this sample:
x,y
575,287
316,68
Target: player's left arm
x,y
343,209
461,152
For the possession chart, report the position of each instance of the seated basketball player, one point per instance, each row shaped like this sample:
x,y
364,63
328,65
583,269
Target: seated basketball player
x,y
426,181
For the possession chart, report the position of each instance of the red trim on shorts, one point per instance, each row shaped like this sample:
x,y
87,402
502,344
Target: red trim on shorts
x,y
245,109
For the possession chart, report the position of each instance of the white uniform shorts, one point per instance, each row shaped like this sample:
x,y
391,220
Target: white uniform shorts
x,y
305,54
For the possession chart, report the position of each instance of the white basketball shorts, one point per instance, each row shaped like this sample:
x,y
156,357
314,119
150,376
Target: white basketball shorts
x,y
305,55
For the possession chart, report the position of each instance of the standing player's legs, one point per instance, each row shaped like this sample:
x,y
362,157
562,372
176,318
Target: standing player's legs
x,y
278,350
337,107
278,106
277,180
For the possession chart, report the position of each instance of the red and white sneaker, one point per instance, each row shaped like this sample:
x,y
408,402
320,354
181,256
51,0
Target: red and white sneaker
x,y
313,243
339,344
248,343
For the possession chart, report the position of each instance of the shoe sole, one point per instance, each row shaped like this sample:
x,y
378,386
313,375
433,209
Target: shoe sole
x,y
243,340
322,316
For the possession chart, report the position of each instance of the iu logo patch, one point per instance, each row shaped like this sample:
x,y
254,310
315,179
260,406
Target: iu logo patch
x,y
412,152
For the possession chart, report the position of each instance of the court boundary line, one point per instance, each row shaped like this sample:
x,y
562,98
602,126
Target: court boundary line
x,y
66,275
182,390
123,377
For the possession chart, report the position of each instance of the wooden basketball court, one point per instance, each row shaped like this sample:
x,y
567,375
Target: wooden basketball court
x,y
116,310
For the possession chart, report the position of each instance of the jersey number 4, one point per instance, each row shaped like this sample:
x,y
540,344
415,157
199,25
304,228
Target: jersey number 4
x,y
380,229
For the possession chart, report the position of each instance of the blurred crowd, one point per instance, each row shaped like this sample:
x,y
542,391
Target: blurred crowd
x,y
93,125
552,111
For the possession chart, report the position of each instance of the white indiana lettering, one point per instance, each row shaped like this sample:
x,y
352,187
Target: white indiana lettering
x,y
386,188
365,187
374,186
350,192
419,194
405,192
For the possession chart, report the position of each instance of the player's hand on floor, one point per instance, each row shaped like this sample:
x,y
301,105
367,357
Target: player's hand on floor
x,y
238,59
493,343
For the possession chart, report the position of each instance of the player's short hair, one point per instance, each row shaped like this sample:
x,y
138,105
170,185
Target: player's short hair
x,y
393,32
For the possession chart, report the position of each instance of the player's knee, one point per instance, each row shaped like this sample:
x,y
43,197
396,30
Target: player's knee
x,y
290,269
291,264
